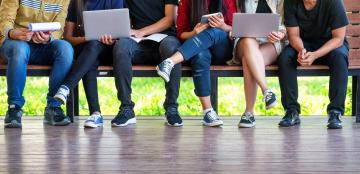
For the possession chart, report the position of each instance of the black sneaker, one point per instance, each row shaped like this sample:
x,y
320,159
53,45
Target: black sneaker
x,y
334,121
173,117
13,117
125,117
291,118
270,99
164,69
55,116
247,120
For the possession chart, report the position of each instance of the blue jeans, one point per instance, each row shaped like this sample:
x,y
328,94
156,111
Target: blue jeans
x,y
212,46
58,54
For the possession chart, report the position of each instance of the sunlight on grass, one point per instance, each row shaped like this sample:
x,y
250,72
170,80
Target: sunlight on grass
x,y
149,94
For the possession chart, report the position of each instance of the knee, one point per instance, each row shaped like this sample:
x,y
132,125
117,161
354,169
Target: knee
x,y
122,47
15,51
64,52
169,46
338,58
201,61
94,44
287,57
217,32
245,42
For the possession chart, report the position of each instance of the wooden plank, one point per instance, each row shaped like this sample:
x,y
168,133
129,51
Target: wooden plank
x,y
354,18
352,5
353,30
354,57
354,42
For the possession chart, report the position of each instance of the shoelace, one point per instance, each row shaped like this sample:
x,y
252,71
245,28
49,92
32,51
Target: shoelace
x,y
172,111
212,115
289,114
124,112
168,66
335,115
268,96
246,116
59,114
92,118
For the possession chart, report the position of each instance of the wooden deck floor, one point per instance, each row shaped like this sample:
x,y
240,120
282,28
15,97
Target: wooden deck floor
x,y
151,147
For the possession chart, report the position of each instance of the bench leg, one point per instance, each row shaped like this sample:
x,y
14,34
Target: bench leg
x,y
356,97
214,92
76,101
70,106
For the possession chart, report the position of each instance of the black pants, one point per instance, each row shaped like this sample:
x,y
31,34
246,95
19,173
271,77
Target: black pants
x,y
89,55
337,60
128,52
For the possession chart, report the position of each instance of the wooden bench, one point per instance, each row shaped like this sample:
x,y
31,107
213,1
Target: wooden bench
x,y
353,37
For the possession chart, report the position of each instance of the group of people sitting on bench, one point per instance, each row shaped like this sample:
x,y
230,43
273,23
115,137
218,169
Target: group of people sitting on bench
x,y
311,32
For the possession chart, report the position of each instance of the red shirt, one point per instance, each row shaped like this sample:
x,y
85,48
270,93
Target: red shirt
x,y
183,19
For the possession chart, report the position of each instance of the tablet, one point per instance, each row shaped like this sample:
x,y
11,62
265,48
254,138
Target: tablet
x,y
115,22
254,25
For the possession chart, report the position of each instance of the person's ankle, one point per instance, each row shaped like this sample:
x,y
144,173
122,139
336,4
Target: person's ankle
x,y
208,110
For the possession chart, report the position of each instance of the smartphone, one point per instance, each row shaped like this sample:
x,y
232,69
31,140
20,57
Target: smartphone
x,y
205,18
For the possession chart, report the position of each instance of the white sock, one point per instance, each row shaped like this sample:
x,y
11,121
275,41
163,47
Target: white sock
x,y
207,110
266,91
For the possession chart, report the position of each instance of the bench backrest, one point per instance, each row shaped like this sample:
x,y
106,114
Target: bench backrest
x,y
353,32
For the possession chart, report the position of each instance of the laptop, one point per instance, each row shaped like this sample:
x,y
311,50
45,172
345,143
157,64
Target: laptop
x,y
254,25
115,22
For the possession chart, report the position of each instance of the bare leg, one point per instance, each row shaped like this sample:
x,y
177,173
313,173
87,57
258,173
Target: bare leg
x,y
254,67
177,58
205,102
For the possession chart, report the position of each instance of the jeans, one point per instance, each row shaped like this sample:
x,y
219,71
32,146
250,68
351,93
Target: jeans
x,y
337,60
212,46
58,54
89,55
127,52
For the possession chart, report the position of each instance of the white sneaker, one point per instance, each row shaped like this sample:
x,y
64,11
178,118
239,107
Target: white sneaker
x,y
94,121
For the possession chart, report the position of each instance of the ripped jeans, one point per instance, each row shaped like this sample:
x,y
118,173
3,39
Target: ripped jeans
x,y
210,47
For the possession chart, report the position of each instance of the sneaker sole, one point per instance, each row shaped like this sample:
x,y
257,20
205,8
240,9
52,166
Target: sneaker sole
x,y
92,125
242,125
130,121
162,75
296,123
272,105
216,124
13,125
174,125
334,127
57,124
60,98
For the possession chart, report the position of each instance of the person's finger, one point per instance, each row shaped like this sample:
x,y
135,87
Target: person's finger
x,y
43,35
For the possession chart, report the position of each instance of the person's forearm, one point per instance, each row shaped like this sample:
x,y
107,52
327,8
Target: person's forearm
x,y
296,43
187,35
227,28
159,26
75,40
330,45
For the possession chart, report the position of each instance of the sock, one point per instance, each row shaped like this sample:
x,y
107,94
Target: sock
x,y
266,91
207,110
65,87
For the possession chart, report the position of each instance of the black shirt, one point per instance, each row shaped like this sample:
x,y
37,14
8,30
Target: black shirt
x,y
263,7
317,23
147,12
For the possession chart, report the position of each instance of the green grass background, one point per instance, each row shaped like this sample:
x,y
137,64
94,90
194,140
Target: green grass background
x,y
149,94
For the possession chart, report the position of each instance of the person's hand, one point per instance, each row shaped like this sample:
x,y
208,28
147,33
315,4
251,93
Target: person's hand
x,y
276,36
200,27
217,22
41,37
21,34
308,59
230,36
301,54
107,39
137,33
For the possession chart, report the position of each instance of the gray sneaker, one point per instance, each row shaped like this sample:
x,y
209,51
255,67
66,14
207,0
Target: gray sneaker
x,y
55,116
212,119
164,70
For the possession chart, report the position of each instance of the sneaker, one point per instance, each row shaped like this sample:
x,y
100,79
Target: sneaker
x,y
164,69
62,94
94,121
55,116
291,118
247,120
125,117
173,117
212,119
270,99
13,117
334,121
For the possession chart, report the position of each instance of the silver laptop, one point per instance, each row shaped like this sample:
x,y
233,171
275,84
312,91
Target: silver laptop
x,y
254,25
100,22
